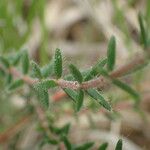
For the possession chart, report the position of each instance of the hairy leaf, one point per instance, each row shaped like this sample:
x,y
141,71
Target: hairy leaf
x,y
47,70
103,146
25,62
143,30
76,73
95,69
111,54
85,146
16,84
60,131
47,140
43,98
45,85
4,61
58,63
16,59
127,88
139,67
119,145
97,96
2,73
9,79
36,70
79,101
71,93
67,143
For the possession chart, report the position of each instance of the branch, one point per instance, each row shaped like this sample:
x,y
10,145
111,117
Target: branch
x,y
98,82
6,135
43,121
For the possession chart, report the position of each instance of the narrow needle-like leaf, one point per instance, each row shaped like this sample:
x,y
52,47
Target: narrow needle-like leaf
x,y
58,63
111,54
79,101
95,69
119,145
143,31
67,143
14,85
71,93
103,146
43,98
127,88
25,62
76,73
4,61
97,96
36,70
85,146
45,84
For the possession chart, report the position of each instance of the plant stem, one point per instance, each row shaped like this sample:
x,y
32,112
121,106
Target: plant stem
x,y
98,82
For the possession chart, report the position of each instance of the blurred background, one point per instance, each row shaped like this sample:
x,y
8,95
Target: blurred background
x,y
81,29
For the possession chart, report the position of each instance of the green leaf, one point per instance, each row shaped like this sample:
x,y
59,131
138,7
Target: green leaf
x,y
47,140
5,62
47,70
16,58
60,131
103,146
95,69
127,88
42,87
25,62
85,146
76,73
9,79
143,31
111,54
79,102
58,63
67,143
113,116
138,67
45,85
119,145
2,73
65,128
43,97
71,93
16,84
36,70
97,96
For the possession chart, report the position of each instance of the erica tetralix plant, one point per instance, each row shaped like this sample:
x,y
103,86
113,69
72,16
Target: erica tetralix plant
x,y
17,70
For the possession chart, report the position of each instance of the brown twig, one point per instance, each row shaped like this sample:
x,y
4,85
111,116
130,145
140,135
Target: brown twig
x,y
43,121
10,132
98,82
